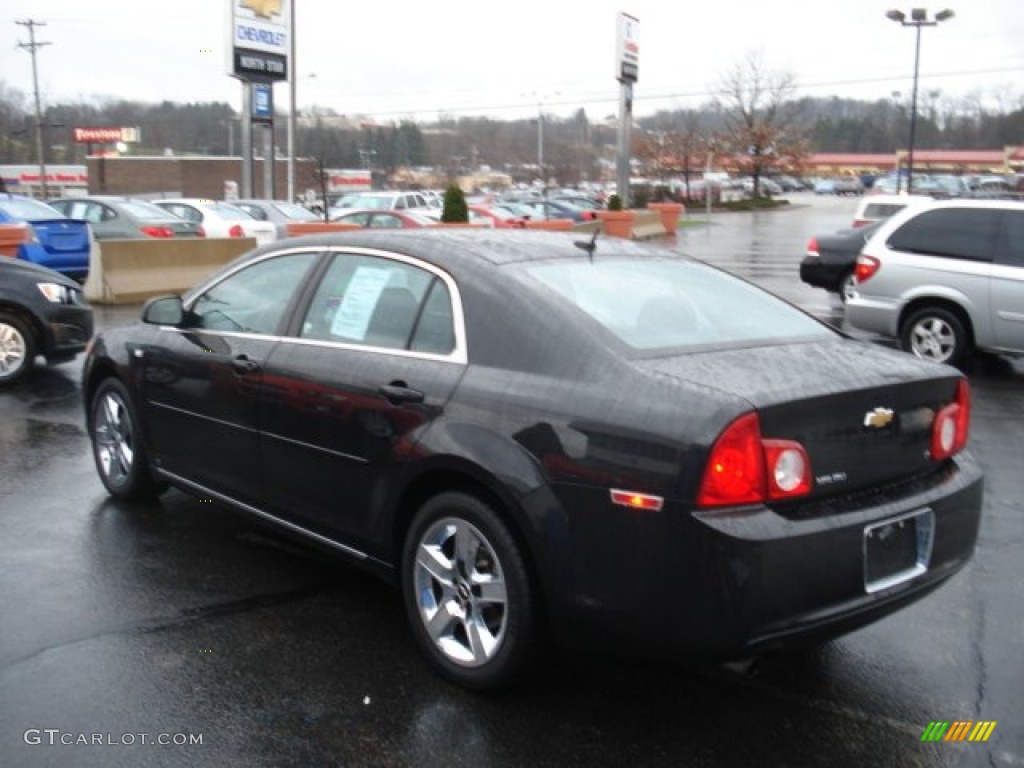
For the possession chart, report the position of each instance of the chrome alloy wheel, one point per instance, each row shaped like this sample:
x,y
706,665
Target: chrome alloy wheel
x,y
460,592
932,338
13,350
114,438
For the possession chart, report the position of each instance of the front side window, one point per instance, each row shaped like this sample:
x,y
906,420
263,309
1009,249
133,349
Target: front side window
x,y
377,302
254,299
958,233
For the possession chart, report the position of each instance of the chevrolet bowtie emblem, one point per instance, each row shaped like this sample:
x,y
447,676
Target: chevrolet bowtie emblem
x,y
878,418
263,8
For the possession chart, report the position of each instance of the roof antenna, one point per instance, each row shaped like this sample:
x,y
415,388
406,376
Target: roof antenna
x,y
588,245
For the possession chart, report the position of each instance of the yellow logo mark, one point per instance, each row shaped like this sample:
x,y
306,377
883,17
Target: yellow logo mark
x,y
263,8
878,418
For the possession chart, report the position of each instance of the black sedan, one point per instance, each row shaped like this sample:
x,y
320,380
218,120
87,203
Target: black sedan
x,y
602,443
830,260
42,312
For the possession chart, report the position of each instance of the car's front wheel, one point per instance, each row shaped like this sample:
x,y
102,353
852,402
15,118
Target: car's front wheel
x,y
117,447
468,593
17,348
936,333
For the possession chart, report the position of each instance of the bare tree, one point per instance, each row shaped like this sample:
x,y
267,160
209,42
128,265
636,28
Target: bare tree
x,y
760,114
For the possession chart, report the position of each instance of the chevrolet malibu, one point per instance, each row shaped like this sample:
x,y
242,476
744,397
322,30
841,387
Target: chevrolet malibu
x,y
535,438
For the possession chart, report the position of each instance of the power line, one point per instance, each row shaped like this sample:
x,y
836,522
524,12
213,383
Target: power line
x,y
31,46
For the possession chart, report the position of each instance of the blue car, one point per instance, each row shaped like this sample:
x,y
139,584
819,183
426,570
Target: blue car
x,y
57,242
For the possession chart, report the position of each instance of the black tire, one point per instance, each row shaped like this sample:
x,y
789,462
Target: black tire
x,y
117,447
937,334
477,636
847,285
17,348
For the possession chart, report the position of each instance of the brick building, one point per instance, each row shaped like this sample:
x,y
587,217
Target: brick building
x,y
174,176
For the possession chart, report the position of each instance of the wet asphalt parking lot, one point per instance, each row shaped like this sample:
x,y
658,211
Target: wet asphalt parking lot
x,y
188,624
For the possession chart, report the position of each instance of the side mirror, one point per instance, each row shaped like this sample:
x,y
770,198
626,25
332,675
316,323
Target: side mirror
x,y
164,310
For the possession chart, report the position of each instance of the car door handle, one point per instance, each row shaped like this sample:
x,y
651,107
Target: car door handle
x,y
243,364
397,393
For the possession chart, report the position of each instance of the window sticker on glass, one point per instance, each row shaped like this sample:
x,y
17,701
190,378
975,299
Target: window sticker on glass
x,y
361,297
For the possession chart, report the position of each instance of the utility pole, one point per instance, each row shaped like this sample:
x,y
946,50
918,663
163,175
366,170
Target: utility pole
x,y
31,47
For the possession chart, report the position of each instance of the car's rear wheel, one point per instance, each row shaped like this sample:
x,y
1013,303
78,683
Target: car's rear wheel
x,y
848,286
468,594
17,348
936,333
117,447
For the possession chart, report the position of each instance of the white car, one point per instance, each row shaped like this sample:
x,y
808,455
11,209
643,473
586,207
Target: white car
x,y
220,219
380,201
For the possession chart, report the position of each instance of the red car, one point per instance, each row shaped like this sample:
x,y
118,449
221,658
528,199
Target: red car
x,y
394,219
495,216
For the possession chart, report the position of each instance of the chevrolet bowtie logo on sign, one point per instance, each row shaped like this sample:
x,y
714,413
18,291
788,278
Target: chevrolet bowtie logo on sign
x,y
263,8
878,418
958,730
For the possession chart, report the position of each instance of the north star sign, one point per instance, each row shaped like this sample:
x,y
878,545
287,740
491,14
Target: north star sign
x,y
260,39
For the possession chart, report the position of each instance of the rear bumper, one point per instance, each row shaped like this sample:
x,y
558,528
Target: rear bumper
x,y
814,271
877,315
694,586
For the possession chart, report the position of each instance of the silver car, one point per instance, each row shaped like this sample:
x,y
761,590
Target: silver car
x,y
946,279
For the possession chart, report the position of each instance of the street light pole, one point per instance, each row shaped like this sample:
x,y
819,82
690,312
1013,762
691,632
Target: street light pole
x,y
918,19
292,74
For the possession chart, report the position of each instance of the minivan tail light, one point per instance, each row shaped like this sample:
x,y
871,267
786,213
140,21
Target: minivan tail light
x,y
867,266
743,468
952,424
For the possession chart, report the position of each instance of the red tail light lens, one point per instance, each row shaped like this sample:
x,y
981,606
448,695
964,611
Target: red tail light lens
x,y
236,231
743,468
867,266
859,222
952,424
200,232
157,231
735,468
812,247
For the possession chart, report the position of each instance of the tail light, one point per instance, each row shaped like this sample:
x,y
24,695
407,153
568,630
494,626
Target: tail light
x,y
743,468
867,266
200,232
812,247
157,231
951,426
236,231
860,222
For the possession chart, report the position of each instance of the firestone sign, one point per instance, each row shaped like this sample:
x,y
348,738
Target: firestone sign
x,y
104,135
260,39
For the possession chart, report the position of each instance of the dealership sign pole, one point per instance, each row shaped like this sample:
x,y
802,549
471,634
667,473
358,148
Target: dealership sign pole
x,y
259,56
627,64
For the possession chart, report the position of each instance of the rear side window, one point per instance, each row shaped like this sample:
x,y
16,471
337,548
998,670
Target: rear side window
x,y
376,302
1013,239
957,233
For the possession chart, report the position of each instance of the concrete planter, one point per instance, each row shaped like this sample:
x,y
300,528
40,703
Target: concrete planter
x,y
551,225
670,214
11,236
617,223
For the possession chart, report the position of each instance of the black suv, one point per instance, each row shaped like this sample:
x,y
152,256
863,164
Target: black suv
x,y
41,313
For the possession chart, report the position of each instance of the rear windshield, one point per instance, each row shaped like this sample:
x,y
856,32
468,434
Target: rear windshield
x,y
29,210
147,211
668,304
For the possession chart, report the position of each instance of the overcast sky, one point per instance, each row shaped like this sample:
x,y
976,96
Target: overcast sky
x,y
395,59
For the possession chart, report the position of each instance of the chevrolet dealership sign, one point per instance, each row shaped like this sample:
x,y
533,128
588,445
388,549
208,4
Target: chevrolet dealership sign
x,y
260,39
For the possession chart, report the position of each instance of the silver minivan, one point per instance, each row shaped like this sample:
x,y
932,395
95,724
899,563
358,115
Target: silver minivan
x,y
946,279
